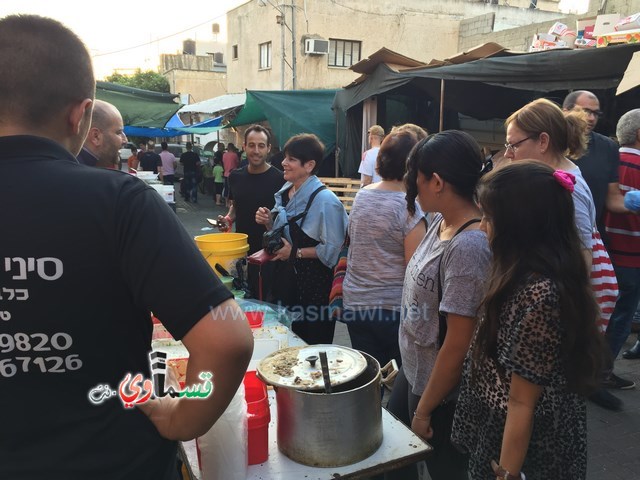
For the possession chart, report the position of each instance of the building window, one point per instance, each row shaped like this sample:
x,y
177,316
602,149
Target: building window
x,y
343,53
265,55
234,52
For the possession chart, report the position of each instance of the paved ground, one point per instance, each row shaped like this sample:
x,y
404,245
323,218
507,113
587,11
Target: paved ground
x,y
614,437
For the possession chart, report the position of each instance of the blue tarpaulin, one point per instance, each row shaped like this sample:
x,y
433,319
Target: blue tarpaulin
x,y
175,128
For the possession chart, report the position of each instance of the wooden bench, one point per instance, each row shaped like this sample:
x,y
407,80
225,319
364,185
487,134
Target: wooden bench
x,y
344,188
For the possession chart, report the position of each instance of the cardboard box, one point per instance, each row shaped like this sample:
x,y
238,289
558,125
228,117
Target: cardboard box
x,y
585,43
558,29
584,27
630,36
606,24
631,22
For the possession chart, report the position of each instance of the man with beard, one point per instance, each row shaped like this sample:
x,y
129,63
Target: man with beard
x,y
250,188
105,138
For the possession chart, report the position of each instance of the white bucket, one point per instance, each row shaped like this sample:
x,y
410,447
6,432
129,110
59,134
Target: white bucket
x,y
165,191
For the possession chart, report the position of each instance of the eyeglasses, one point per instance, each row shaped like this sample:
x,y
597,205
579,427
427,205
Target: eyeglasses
x,y
588,111
514,146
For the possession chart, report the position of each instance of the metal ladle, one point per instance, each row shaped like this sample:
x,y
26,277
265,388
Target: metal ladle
x,y
325,371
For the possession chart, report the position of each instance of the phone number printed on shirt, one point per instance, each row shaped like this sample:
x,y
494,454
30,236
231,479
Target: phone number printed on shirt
x,y
10,366
37,342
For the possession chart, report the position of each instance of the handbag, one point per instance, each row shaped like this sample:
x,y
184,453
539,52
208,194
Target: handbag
x,y
339,272
603,281
260,257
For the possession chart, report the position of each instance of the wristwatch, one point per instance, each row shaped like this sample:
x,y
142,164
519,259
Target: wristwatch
x,y
299,253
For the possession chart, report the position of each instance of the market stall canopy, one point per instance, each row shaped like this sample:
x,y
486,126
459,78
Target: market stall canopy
x,y
175,128
495,86
215,105
631,78
140,108
487,82
292,112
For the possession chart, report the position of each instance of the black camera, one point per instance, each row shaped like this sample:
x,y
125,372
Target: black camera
x,y
272,241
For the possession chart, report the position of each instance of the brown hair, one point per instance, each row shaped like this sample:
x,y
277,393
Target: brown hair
x,y
567,132
533,233
45,68
394,151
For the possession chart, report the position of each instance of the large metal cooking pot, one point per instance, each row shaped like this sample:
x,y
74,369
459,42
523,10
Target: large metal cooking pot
x,y
326,429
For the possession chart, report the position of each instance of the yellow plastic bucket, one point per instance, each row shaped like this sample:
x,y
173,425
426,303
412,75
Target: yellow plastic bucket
x,y
225,249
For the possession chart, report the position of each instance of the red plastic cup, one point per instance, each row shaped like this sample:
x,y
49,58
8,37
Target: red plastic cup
x,y
258,418
255,319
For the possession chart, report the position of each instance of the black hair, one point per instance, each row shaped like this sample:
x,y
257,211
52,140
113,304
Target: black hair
x,y
454,155
164,145
305,147
260,129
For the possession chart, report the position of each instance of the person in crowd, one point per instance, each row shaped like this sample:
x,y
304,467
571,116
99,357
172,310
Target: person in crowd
x,y
76,303
250,188
218,179
190,161
599,162
169,164
311,242
150,161
367,168
540,131
537,351
276,158
142,147
132,161
382,239
623,231
105,138
230,161
443,288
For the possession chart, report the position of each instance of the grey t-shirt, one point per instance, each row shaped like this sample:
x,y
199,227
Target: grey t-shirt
x,y
378,225
465,266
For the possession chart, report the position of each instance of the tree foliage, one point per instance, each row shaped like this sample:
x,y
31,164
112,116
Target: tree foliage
x,y
148,80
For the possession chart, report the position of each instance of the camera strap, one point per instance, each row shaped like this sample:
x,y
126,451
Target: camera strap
x,y
302,216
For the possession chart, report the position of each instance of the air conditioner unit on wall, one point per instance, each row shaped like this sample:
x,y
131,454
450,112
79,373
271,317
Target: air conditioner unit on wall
x,y
316,46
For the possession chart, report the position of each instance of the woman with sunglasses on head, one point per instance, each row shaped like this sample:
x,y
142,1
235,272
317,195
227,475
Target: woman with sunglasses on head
x,y
443,287
537,350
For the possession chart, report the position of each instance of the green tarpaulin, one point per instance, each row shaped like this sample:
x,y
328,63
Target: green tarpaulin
x,y
139,108
292,112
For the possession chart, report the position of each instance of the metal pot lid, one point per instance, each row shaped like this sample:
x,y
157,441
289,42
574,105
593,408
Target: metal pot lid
x,y
292,367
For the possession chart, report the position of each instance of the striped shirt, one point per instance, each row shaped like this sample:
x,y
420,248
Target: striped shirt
x,y
623,229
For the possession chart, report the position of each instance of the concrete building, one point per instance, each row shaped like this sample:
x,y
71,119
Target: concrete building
x,y
307,44
198,71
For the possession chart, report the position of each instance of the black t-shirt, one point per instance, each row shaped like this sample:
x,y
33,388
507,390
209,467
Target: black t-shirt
x,y
250,191
85,258
190,161
150,161
599,167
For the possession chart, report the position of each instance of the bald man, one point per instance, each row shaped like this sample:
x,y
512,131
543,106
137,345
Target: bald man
x,y
105,138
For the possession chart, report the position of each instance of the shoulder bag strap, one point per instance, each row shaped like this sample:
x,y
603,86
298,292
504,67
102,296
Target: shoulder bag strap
x,y
442,319
302,216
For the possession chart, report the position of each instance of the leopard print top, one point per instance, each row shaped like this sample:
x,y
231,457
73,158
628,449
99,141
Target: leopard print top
x,y
529,344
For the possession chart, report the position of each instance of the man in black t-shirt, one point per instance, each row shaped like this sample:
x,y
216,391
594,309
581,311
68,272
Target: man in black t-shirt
x,y
75,307
191,164
150,160
250,188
